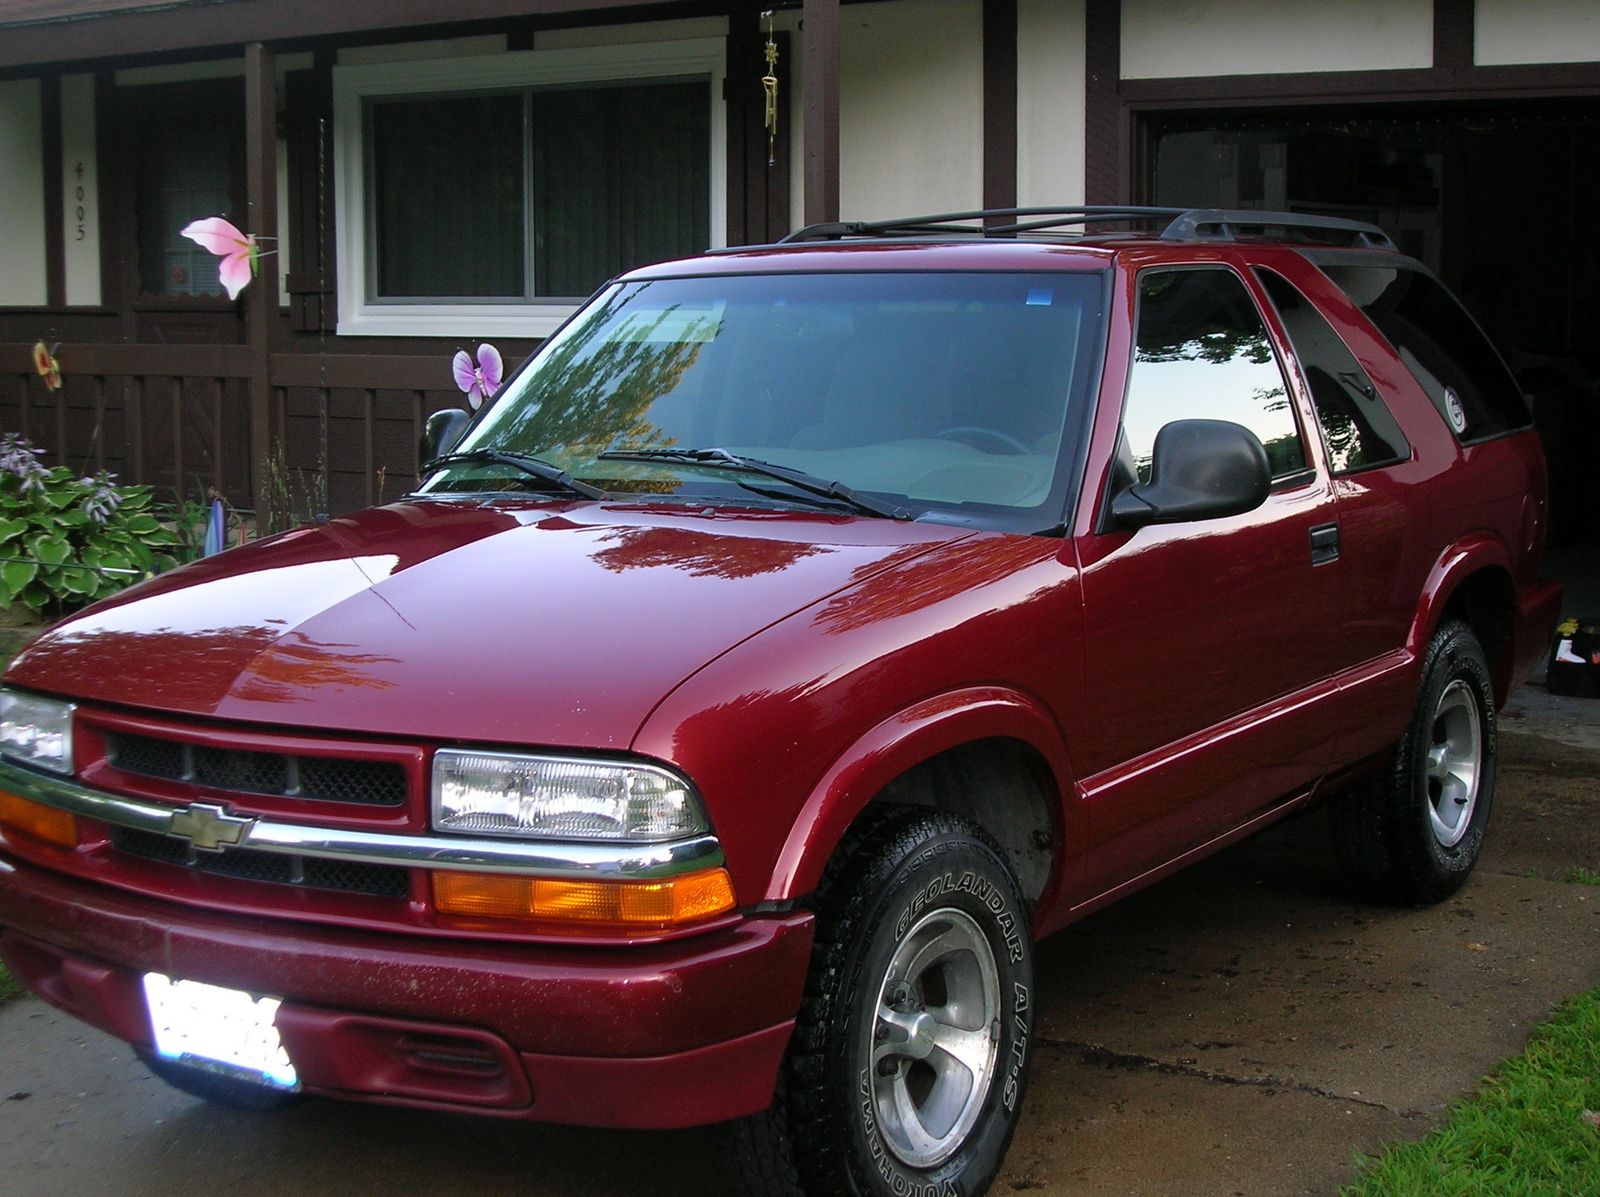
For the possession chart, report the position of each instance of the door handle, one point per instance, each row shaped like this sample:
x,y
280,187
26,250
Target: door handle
x,y
1324,544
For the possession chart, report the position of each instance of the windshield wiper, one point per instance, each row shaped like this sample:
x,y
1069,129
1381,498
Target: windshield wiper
x,y
520,461
721,459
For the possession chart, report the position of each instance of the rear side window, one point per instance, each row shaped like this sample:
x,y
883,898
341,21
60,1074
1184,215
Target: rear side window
x,y
1441,345
1357,427
1202,353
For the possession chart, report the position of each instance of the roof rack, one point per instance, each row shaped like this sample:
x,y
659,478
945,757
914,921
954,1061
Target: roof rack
x,y
1182,224
1222,224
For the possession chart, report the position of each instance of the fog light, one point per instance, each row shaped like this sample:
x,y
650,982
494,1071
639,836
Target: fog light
x,y
600,905
41,822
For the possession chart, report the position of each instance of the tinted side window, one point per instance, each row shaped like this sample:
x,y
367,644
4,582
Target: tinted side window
x,y
1202,353
1357,427
1438,341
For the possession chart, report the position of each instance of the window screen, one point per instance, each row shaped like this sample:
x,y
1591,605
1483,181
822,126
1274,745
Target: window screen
x,y
1202,353
536,193
449,210
1441,345
1357,427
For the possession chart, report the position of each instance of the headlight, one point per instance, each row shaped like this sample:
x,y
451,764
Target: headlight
x,y
36,731
551,797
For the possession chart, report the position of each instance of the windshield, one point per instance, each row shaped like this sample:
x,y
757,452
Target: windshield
x,y
928,391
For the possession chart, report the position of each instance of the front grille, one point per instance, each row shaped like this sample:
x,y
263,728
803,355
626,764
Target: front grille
x,y
382,881
319,778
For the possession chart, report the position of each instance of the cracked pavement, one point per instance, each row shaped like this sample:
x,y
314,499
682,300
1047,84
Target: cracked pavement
x,y
1240,1028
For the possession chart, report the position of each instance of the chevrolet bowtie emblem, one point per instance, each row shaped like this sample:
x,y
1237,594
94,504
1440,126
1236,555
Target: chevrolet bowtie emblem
x,y
209,827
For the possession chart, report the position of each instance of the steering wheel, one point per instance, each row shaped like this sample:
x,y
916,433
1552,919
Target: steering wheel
x,y
1010,444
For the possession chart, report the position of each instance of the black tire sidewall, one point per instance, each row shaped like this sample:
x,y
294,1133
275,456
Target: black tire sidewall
x,y
1436,870
946,870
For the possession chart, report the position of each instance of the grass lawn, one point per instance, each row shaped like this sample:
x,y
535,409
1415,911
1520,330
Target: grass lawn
x,y
1532,1130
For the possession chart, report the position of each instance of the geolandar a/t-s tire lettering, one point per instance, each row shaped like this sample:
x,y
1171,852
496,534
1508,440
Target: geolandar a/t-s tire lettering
x,y
907,1068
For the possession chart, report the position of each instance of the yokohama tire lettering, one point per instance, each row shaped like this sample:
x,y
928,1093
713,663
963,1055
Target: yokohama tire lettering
x,y
899,1183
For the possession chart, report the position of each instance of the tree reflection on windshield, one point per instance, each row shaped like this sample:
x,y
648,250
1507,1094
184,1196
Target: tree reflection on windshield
x,y
592,390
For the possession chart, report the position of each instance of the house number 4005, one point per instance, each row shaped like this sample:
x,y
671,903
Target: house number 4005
x,y
78,196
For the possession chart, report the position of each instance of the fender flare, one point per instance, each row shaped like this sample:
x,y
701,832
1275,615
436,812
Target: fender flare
x,y
908,738
1465,557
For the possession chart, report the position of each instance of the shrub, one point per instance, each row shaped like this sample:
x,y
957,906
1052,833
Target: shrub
x,y
66,541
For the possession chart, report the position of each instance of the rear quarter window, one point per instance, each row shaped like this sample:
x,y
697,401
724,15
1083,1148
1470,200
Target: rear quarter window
x,y
1357,428
1441,345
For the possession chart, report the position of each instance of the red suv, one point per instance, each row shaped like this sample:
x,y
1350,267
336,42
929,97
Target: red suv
x,y
801,633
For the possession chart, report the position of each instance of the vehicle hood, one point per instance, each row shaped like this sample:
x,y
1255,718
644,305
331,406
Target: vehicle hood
x,y
532,623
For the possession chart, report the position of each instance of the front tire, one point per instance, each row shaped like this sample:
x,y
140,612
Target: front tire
x,y
906,1070
1414,834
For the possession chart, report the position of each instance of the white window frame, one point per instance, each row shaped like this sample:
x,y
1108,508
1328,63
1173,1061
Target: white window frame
x,y
353,85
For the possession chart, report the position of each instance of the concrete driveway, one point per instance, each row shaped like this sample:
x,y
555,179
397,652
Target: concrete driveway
x,y
1239,1029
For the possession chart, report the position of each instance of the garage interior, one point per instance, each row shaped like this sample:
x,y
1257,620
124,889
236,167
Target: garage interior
x,y
1498,199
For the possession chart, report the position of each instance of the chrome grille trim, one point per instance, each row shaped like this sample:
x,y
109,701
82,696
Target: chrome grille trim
x,y
542,858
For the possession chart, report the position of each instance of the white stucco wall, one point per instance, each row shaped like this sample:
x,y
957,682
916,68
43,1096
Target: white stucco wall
x,y
1050,102
910,108
80,191
1172,38
22,243
1522,31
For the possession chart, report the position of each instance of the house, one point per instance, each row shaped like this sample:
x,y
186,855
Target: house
x,y
436,174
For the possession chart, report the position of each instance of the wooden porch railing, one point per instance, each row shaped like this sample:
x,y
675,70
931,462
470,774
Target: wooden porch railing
x,y
179,417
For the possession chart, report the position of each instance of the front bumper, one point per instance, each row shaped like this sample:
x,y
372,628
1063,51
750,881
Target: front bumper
x,y
671,1034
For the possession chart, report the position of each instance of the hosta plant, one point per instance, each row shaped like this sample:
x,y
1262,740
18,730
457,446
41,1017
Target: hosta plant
x,y
67,540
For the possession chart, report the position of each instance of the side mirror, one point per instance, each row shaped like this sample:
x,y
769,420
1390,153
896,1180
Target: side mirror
x,y
1200,470
441,433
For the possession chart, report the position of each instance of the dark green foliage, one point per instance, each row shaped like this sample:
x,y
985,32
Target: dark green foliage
x,y
66,541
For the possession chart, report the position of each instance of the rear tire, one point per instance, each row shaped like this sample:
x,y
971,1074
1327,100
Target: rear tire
x,y
906,1070
215,1087
1413,834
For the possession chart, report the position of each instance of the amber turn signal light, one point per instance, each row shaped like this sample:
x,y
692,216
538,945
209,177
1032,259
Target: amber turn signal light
x,y
598,905
41,822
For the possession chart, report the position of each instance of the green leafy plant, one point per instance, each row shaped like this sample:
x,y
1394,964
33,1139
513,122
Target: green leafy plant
x,y
190,520
66,541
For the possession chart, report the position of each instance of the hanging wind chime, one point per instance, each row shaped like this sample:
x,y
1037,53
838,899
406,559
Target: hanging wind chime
x,y
769,85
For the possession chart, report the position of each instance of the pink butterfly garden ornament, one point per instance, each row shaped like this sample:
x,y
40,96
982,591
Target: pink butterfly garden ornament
x,y
482,380
238,251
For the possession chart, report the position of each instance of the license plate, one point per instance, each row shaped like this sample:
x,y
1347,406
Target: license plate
x,y
221,1030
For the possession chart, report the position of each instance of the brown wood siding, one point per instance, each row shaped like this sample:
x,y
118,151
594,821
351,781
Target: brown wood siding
x,y
236,22
758,190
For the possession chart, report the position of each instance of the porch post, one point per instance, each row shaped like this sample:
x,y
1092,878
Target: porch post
x,y
1107,166
999,103
261,296
820,79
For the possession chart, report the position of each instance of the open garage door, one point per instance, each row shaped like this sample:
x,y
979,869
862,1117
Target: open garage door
x,y
1500,200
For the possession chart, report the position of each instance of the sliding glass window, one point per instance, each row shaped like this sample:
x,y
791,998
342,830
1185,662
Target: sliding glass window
x,y
533,193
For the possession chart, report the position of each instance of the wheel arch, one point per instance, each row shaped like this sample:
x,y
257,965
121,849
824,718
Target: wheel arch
x,y
1472,582
922,756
